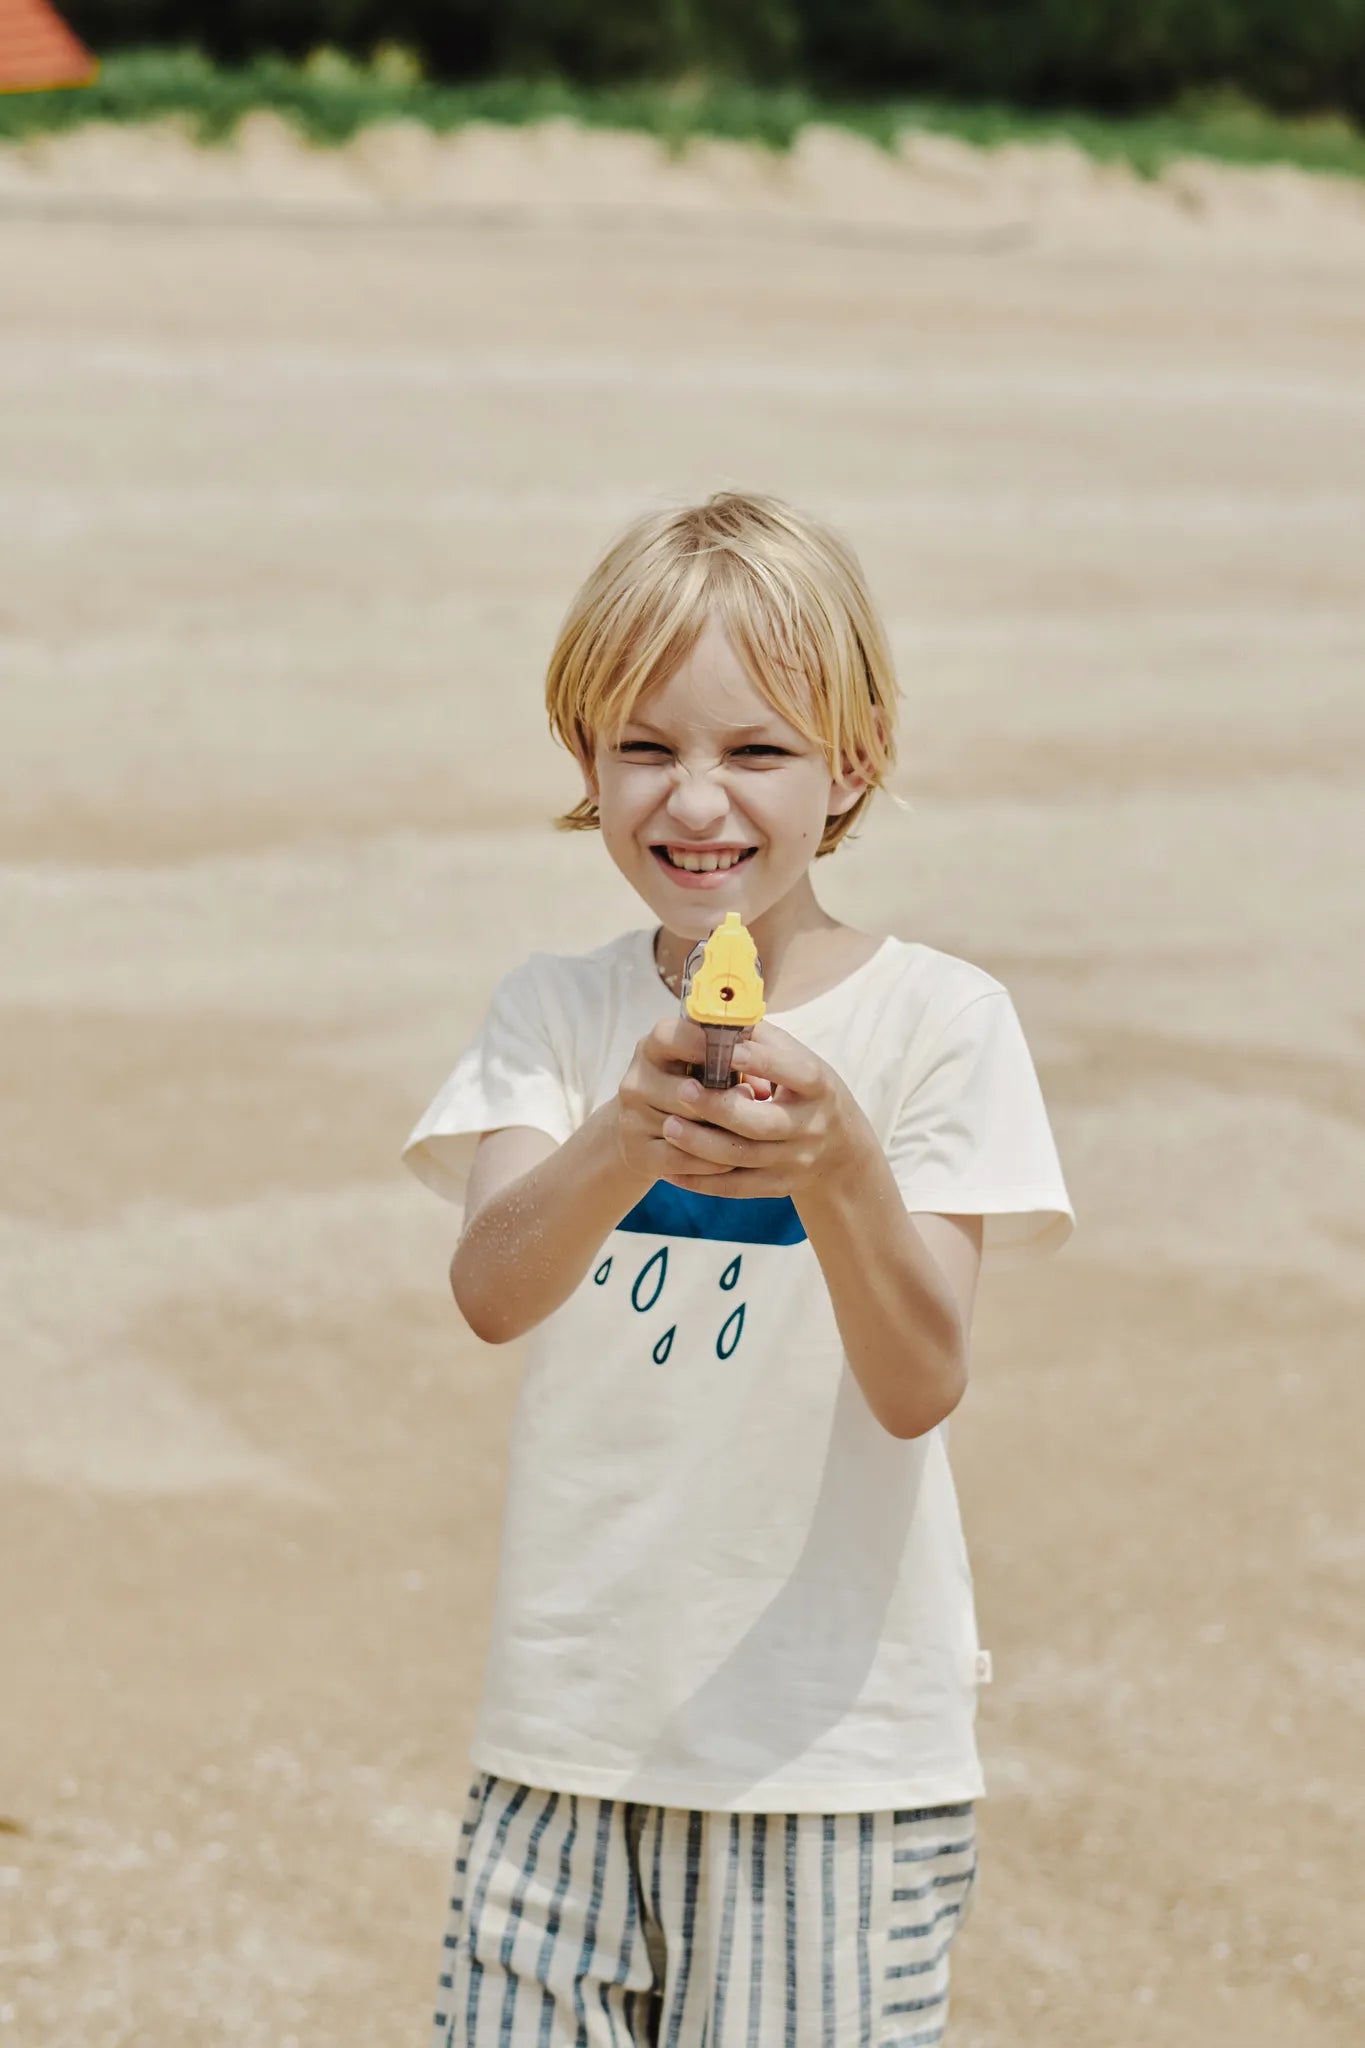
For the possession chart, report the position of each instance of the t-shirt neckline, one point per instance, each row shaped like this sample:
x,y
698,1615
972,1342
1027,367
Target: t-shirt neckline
x,y
645,954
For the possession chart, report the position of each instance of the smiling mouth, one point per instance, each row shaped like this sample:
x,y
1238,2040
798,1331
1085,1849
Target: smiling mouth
x,y
703,863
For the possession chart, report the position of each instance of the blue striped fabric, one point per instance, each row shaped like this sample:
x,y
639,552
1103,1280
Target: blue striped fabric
x,y
597,1923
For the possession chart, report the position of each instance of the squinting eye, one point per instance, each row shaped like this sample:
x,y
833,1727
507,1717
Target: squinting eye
x,y
654,747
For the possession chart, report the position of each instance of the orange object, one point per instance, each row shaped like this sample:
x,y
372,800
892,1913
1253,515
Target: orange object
x,y
38,52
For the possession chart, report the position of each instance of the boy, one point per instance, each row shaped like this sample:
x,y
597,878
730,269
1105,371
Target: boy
x,y
724,1766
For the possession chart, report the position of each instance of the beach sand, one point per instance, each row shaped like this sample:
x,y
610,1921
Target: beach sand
x,y
296,480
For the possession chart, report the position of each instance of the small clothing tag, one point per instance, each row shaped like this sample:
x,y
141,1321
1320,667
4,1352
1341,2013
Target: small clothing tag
x,y
982,1667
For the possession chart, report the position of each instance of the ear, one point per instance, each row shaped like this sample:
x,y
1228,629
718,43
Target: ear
x,y
843,794
845,790
849,784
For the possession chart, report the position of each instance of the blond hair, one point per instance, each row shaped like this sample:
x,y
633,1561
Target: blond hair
x,y
791,598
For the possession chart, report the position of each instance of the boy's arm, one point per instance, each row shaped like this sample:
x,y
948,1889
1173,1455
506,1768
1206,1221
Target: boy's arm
x,y
902,1288
535,1213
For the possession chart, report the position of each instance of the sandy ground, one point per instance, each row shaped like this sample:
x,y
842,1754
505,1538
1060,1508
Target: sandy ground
x,y
292,494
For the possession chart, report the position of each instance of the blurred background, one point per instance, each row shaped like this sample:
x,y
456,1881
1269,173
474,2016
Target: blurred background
x,y
336,341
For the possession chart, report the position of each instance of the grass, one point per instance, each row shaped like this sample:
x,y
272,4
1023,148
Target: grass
x,y
330,97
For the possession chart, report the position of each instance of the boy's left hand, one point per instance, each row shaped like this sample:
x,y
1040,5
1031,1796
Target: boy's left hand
x,y
789,1123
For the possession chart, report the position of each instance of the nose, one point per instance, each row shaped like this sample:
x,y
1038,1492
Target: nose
x,y
697,801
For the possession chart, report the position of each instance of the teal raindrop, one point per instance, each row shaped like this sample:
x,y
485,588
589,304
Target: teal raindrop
x,y
600,1276
665,1344
730,1333
730,1275
641,1296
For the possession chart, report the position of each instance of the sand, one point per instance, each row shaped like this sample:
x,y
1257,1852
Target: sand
x,y
300,460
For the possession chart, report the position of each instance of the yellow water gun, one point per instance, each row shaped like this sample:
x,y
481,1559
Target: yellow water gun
x,y
722,990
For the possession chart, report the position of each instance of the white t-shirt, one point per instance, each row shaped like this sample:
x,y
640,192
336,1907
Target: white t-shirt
x,y
722,1583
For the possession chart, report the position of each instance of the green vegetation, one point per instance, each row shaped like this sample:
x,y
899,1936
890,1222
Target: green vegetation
x,y
1108,56
330,96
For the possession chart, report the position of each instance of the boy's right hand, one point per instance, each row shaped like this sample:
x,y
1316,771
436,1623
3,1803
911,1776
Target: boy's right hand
x,y
651,1091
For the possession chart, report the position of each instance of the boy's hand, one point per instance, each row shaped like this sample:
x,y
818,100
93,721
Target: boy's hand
x,y
655,1088
790,1123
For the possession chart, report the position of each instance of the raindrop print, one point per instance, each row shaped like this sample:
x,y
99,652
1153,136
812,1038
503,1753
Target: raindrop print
x,y
730,1275
730,1330
638,1297
665,1344
600,1276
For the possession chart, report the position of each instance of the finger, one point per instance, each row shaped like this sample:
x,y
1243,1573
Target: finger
x,y
773,1055
704,1141
672,1159
730,1109
744,1183
681,1095
673,1042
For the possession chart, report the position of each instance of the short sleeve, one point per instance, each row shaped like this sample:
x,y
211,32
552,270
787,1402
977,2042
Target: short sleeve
x,y
972,1136
516,1070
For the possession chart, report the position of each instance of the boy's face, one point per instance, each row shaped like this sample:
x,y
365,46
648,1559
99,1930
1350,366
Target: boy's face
x,y
707,770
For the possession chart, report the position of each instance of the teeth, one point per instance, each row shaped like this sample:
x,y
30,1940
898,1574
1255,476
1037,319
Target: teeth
x,y
703,863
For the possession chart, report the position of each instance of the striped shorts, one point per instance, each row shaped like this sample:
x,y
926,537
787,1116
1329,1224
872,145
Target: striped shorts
x,y
595,1923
